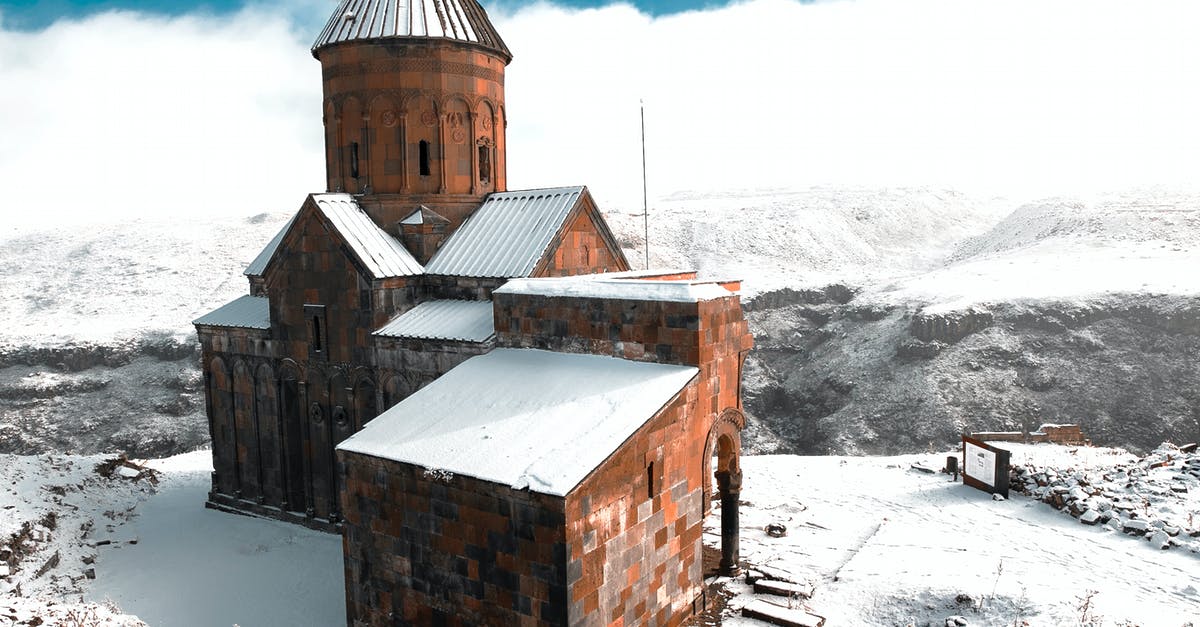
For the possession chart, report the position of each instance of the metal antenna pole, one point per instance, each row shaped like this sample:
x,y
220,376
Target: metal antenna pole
x,y
645,203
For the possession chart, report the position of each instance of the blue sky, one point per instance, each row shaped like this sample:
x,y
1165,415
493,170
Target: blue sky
x,y
33,14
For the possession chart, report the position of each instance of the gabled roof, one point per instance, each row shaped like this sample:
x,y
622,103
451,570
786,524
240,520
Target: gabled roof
x,y
247,312
459,20
605,286
259,265
524,418
507,235
380,253
462,320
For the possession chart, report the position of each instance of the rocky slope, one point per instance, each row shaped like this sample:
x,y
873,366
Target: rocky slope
x,y
842,377
885,320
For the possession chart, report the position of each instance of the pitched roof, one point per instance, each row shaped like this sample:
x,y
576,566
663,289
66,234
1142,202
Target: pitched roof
x,y
380,253
507,235
604,286
247,312
459,20
259,265
525,418
463,320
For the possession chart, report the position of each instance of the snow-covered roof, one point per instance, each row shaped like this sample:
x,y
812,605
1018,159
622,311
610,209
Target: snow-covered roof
x,y
521,417
461,20
596,286
464,320
249,312
259,265
507,235
383,255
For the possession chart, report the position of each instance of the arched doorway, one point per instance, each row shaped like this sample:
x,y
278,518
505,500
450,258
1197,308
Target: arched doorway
x,y
723,460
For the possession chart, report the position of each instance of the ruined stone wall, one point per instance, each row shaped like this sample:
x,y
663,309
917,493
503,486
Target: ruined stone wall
x,y
634,526
428,548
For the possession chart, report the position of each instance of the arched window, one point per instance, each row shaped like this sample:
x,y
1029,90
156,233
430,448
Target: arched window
x,y
485,163
423,157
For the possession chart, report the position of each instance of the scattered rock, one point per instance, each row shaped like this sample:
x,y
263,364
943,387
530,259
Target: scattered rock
x,y
776,530
1090,517
1135,526
1160,539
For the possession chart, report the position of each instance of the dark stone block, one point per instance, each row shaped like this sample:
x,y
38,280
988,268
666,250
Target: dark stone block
x,y
560,552
445,510
502,542
476,553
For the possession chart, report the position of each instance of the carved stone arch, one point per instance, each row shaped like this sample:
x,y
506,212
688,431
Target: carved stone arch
x,y
408,99
219,383
267,433
290,366
725,442
366,404
292,415
423,129
389,386
245,445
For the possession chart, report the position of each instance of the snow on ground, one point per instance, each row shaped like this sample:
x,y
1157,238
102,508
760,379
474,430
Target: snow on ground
x,y
882,543
887,545
170,561
197,566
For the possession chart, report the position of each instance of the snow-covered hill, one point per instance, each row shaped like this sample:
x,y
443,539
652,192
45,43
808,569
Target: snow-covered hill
x,y
885,319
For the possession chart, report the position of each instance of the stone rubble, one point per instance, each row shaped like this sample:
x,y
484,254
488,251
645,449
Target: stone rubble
x,y
1156,497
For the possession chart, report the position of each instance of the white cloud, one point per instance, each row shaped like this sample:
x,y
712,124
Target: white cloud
x,y
128,113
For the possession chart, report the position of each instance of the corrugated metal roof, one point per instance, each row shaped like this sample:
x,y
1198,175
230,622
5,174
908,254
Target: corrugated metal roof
x,y
461,20
383,255
507,235
259,265
248,312
464,320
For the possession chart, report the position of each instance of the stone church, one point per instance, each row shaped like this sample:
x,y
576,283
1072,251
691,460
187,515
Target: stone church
x,y
506,423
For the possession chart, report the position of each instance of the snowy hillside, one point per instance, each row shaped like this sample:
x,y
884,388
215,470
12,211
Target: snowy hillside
x,y
885,319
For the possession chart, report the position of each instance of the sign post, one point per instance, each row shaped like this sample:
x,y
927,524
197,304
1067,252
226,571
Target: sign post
x,y
985,467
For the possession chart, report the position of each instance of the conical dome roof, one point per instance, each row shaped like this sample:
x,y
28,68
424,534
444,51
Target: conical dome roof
x,y
460,20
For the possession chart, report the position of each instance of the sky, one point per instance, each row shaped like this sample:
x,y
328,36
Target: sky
x,y
116,109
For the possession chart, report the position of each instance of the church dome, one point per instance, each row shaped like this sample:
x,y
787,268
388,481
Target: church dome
x,y
457,20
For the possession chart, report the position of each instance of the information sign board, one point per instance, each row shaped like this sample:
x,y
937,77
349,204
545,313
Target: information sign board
x,y
985,466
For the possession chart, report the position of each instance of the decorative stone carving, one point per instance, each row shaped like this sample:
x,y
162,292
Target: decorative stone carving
x,y
388,118
314,413
429,118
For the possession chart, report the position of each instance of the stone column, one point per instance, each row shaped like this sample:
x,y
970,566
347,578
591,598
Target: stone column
x,y
730,486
